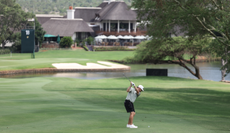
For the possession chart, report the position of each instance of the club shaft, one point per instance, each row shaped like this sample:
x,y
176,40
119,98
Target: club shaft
x,y
126,77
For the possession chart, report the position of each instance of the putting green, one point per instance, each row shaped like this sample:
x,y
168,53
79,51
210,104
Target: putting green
x,y
168,105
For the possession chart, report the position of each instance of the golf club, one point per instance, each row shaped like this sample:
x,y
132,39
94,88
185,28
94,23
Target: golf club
x,y
126,77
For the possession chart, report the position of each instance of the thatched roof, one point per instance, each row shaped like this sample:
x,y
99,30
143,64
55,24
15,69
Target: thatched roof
x,y
103,4
42,18
86,13
116,10
65,27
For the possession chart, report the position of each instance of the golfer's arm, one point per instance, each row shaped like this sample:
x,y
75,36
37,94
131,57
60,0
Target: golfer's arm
x,y
136,89
128,89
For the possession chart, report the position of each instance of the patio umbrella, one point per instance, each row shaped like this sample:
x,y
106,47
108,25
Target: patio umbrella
x,y
148,37
126,37
112,37
120,37
139,37
101,37
58,39
99,40
131,37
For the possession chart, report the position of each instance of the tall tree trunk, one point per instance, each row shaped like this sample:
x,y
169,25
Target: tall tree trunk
x,y
3,45
223,71
224,62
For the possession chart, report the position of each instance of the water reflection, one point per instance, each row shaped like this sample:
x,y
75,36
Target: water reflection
x,y
209,71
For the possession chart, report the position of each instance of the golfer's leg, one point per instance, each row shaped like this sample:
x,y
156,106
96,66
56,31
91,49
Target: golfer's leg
x,y
132,114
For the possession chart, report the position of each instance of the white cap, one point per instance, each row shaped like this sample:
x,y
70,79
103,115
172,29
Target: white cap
x,y
141,86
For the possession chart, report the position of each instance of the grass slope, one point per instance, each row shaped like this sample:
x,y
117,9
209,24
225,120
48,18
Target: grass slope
x,y
45,59
168,105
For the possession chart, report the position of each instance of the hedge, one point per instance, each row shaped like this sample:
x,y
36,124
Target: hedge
x,y
4,51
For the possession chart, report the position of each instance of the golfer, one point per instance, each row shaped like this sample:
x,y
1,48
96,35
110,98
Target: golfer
x,y
133,93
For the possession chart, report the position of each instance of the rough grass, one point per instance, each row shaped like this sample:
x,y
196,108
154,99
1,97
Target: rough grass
x,y
168,105
47,58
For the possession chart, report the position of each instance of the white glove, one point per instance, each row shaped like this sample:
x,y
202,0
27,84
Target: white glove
x,y
133,84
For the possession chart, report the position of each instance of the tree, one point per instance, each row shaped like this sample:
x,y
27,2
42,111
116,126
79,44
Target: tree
x,y
39,33
16,38
177,50
13,19
190,17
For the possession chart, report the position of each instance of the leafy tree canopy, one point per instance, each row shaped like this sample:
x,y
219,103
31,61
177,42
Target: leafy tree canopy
x,y
39,33
177,50
13,19
191,18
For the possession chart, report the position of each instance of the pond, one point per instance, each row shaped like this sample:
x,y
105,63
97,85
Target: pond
x,y
209,71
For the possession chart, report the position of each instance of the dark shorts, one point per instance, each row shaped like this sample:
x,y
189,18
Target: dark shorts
x,y
129,106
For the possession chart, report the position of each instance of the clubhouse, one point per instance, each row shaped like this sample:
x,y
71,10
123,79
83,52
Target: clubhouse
x,y
111,21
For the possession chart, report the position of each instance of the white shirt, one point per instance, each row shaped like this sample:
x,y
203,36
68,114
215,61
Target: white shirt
x,y
132,95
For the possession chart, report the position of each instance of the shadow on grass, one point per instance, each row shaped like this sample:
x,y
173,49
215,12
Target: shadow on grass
x,y
180,101
187,101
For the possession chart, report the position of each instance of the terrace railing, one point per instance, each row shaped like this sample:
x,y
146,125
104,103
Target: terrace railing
x,y
115,33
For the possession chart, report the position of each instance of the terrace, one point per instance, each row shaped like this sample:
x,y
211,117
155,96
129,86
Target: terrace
x,y
115,33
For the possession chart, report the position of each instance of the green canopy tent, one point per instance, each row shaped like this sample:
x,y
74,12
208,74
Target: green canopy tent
x,y
58,39
47,36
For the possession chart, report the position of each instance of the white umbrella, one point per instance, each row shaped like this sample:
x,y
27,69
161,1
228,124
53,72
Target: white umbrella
x,y
139,37
101,37
120,37
99,40
148,37
131,37
112,37
126,37
97,37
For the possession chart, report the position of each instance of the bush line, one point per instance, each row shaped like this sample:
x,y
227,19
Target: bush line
x,y
115,48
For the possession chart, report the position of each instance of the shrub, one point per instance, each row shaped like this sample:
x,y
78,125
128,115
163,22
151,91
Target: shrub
x,y
86,49
4,51
83,42
16,47
78,42
90,40
66,42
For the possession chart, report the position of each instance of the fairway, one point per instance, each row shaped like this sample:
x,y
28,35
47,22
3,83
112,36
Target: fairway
x,y
168,105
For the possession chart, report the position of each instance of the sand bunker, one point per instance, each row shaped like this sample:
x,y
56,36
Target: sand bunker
x,y
101,65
